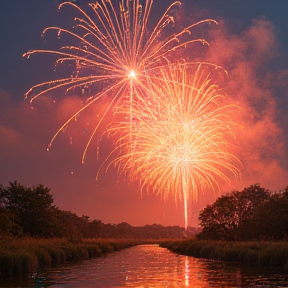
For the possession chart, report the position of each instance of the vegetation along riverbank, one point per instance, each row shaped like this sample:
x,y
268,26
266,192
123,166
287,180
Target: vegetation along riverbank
x,y
249,226
27,255
273,254
36,234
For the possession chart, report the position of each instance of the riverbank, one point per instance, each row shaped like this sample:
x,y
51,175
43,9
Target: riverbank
x,y
27,255
272,254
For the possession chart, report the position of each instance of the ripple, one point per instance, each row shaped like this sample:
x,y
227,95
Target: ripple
x,y
149,266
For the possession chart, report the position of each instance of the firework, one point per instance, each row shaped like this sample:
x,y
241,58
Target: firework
x,y
181,137
115,53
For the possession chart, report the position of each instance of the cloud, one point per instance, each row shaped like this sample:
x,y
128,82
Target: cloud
x,y
9,139
252,83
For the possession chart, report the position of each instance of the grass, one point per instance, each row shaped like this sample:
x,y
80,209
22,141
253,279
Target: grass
x,y
273,254
27,255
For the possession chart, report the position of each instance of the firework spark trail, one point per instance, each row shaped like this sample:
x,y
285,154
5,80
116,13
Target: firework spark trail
x,y
116,50
181,135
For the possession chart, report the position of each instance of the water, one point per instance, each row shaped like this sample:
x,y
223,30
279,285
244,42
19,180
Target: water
x,y
151,266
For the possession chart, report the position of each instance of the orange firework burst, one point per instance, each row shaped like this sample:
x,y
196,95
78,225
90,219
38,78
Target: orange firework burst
x,y
181,135
115,50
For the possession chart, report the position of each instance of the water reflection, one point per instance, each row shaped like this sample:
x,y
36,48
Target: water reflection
x,y
152,266
187,271
141,266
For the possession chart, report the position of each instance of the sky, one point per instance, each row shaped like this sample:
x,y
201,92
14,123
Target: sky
x,y
250,42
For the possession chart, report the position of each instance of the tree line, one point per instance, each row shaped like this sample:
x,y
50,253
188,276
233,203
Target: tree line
x,y
30,211
255,213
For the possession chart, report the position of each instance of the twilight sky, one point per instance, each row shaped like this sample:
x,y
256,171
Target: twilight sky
x,y
250,42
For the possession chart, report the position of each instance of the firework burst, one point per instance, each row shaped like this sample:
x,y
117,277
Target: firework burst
x,y
115,51
181,136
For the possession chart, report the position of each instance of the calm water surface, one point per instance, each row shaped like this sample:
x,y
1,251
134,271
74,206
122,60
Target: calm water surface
x,y
152,266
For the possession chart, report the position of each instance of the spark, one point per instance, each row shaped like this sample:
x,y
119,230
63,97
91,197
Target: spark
x,y
181,139
132,74
114,46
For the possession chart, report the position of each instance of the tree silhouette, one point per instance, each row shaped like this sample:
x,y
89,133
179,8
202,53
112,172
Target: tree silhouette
x,y
232,217
30,208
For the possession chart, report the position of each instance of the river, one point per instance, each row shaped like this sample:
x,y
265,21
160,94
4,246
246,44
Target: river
x,y
146,266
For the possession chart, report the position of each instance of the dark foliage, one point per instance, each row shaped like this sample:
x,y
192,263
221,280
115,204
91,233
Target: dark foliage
x,y
26,211
252,214
273,254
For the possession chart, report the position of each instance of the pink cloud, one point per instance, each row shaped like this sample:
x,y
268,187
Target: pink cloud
x,y
251,85
10,139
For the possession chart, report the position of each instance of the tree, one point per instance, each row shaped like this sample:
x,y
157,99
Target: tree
x,y
219,220
231,217
248,203
272,217
66,225
7,225
30,208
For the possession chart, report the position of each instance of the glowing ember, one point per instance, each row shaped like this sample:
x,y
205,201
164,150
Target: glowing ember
x,y
132,74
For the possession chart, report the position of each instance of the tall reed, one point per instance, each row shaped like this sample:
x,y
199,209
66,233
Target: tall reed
x,y
27,255
274,254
